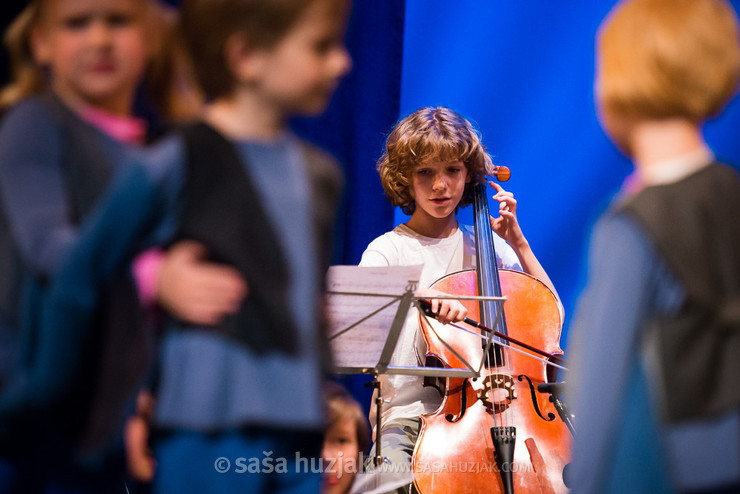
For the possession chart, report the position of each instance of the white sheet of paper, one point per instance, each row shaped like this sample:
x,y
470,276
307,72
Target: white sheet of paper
x,y
362,345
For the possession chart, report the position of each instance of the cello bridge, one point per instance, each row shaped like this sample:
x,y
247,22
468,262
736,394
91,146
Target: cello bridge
x,y
497,392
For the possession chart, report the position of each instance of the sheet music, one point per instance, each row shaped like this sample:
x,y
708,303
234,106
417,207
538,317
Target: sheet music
x,y
358,323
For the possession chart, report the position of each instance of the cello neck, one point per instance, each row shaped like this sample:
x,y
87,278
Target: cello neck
x,y
489,284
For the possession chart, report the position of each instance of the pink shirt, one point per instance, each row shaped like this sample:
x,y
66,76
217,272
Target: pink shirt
x,y
130,130
123,128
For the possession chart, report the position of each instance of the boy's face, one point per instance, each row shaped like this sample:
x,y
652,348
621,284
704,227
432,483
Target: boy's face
x,y
299,74
96,49
437,187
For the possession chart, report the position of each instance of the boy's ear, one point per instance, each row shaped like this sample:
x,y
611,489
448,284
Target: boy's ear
x,y
244,61
469,176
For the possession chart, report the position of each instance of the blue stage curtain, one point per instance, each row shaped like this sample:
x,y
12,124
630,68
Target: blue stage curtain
x,y
354,128
522,71
358,119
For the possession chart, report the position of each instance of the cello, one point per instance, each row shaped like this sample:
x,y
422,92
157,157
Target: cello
x,y
493,433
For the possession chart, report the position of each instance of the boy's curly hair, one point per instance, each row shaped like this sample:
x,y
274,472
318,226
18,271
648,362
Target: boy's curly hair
x,y
430,134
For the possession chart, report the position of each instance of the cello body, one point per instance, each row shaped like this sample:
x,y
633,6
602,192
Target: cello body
x,y
494,433
454,452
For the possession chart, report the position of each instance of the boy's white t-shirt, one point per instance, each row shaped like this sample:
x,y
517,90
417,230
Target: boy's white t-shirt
x,y
405,396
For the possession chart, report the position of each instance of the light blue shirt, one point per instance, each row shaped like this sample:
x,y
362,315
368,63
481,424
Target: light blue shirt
x,y
211,382
620,443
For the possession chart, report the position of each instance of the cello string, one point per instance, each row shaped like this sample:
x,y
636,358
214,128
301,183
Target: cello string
x,y
499,352
483,254
489,261
489,338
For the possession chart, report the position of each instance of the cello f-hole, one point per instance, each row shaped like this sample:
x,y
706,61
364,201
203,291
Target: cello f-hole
x,y
550,415
463,403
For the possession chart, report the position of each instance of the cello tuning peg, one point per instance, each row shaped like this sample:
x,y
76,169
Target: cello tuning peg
x,y
502,173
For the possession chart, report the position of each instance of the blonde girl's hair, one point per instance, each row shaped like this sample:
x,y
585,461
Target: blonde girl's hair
x,y
430,134
668,58
169,80
26,77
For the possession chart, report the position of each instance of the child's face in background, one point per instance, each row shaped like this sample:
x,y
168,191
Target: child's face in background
x,y
437,188
299,74
96,50
341,456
